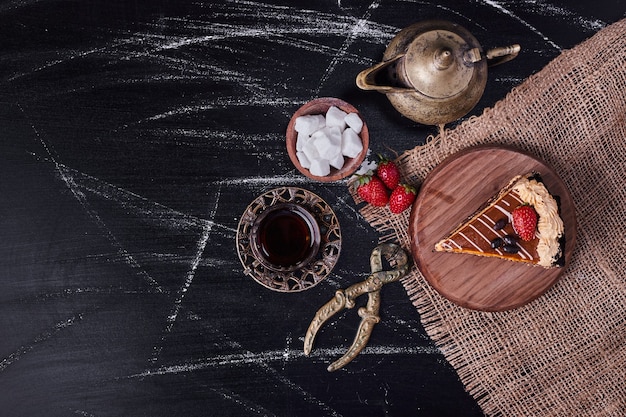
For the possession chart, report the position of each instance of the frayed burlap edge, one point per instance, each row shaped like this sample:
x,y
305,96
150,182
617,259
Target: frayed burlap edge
x,y
563,354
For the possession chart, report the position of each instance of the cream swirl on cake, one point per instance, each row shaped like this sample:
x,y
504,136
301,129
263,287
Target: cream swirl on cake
x,y
549,226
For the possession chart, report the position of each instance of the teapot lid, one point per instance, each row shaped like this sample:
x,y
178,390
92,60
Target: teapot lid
x,y
442,58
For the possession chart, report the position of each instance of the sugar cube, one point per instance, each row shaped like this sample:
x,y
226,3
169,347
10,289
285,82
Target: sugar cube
x,y
303,159
309,123
336,117
337,161
327,141
301,139
320,167
351,144
310,151
354,121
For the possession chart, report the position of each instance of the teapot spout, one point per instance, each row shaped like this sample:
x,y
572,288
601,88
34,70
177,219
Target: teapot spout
x,y
375,79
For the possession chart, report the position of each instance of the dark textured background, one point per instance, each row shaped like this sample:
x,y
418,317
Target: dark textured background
x,y
134,134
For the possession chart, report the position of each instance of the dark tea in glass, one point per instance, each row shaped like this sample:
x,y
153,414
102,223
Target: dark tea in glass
x,y
285,237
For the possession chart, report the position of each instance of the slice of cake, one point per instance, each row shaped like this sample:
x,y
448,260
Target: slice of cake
x,y
533,234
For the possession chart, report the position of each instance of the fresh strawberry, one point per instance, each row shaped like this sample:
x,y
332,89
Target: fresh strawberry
x,y
401,198
388,172
372,190
525,221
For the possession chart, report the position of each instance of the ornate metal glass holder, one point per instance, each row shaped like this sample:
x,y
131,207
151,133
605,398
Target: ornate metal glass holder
x,y
308,275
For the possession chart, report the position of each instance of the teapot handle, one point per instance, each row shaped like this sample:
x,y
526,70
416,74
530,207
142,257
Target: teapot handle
x,y
500,55
366,79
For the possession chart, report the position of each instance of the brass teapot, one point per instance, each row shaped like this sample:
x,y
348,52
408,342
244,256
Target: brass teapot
x,y
434,71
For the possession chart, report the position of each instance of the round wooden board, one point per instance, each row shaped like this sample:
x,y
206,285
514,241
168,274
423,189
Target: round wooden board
x,y
450,194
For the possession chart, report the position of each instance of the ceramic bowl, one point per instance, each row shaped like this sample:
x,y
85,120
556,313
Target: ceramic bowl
x,y
321,106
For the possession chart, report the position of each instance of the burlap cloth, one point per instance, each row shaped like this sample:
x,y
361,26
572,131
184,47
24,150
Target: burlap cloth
x,y
563,354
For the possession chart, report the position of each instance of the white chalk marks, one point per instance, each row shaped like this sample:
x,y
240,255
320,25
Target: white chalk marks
x,y
37,340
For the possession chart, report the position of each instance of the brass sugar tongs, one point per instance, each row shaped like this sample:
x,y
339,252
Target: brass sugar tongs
x,y
396,257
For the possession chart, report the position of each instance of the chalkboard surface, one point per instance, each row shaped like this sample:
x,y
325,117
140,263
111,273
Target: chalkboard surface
x,y
134,134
